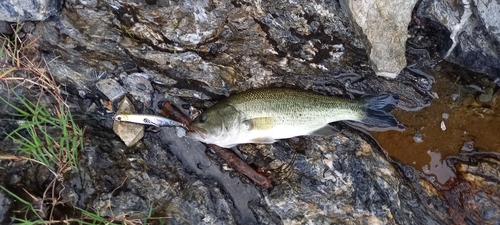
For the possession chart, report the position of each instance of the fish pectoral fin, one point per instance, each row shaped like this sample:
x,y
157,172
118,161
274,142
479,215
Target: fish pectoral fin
x,y
324,131
260,123
263,140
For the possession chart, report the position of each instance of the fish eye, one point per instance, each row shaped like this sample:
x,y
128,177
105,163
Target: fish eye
x,y
203,118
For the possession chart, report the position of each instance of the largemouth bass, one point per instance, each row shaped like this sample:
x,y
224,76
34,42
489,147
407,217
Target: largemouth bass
x,y
265,115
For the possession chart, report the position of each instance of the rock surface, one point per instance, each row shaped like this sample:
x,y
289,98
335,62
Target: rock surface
x,y
36,10
198,52
382,26
468,32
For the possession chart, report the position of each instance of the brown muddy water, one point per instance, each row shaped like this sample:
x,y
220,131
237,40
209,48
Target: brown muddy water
x,y
463,116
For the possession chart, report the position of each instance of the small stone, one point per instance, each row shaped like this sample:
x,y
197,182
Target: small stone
x,y
445,116
443,126
486,96
130,133
28,27
418,138
139,86
181,132
5,28
454,97
111,88
468,146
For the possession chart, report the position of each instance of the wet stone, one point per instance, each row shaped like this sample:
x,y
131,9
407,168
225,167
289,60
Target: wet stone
x,y
139,86
197,53
111,88
468,146
5,28
487,95
5,201
418,138
130,133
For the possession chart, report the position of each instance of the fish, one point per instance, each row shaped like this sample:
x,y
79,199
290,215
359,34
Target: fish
x,y
265,115
157,121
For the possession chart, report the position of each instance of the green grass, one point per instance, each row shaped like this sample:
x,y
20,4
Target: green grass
x,y
28,209
86,217
50,138
53,140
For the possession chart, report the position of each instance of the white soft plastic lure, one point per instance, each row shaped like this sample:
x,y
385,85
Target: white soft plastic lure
x,y
157,121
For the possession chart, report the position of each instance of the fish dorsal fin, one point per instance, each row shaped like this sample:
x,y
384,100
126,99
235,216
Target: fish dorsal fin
x,y
263,140
324,131
260,123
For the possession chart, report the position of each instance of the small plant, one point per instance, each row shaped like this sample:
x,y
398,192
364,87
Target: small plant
x,y
47,136
57,149
85,217
24,57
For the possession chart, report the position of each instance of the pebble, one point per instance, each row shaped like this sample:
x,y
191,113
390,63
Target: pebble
x,y
181,132
111,88
5,28
443,126
445,116
418,138
468,146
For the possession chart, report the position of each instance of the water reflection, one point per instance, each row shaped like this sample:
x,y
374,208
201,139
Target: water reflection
x,y
439,169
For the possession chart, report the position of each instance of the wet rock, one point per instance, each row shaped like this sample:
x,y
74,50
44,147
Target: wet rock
x,y
130,133
480,172
272,44
191,153
418,138
139,86
487,95
5,202
366,188
5,28
20,11
111,88
468,146
124,202
468,33
443,126
383,28
198,52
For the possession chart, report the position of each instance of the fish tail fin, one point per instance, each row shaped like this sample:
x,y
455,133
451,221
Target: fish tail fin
x,y
378,112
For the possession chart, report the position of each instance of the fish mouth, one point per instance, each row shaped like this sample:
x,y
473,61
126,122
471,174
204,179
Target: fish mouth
x,y
198,133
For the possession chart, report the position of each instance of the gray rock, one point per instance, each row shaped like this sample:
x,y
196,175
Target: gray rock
x,y
5,28
111,88
191,153
298,50
487,95
138,85
20,11
468,32
198,52
5,201
383,28
338,173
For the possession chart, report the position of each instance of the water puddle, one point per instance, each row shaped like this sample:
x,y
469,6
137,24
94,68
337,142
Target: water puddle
x,y
464,117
